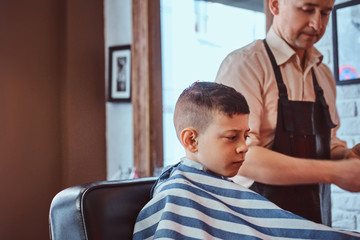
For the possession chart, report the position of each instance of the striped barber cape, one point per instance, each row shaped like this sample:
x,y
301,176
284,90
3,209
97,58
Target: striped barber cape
x,y
190,203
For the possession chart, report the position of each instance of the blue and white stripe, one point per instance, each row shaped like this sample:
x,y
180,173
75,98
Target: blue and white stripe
x,y
193,204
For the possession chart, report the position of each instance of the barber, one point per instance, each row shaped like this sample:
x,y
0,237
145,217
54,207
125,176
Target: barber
x,y
292,95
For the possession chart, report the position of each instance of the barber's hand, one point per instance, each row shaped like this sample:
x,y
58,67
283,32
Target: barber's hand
x,y
347,174
355,152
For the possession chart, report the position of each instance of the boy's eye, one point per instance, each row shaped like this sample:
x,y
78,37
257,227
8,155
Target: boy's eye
x,y
231,137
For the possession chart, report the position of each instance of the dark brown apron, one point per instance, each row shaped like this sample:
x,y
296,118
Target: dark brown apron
x,y
302,130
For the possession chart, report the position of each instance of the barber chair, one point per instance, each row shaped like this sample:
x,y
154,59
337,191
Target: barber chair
x,y
100,210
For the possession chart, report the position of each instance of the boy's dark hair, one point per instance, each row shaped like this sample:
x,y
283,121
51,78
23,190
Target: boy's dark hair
x,y
197,104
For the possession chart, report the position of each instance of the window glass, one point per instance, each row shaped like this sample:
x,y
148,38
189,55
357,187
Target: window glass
x,y
196,36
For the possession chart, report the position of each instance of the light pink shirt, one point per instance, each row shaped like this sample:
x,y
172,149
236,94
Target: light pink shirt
x,y
250,72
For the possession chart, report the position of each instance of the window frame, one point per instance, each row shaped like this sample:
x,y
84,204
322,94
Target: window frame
x,y
147,87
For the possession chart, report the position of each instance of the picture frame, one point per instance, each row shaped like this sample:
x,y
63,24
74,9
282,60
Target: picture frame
x,y
346,40
120,73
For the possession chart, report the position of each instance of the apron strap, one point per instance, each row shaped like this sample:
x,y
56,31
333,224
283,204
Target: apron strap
x,y
282,88
283,96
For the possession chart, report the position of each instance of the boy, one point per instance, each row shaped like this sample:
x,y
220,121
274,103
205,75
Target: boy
x,y
194,199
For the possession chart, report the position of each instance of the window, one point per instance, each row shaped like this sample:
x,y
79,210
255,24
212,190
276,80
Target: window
x,y
196,36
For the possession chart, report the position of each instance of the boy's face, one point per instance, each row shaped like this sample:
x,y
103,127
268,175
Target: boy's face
x,y
222,147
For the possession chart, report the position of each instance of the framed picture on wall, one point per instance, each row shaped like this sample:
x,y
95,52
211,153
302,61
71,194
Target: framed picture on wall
x,y
346,39
120,73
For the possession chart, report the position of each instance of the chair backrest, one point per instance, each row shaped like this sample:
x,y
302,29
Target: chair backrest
x,y
101,210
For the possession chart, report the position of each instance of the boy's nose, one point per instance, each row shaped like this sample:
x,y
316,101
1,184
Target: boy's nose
x,y
241,148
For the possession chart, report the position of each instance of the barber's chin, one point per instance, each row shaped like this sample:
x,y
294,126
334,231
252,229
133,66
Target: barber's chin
x,y
308,41
303,46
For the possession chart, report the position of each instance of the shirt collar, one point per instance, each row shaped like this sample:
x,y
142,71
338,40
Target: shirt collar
x,y
283,52
190,163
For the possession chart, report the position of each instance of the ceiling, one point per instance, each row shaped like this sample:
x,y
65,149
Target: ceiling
x,y
256,5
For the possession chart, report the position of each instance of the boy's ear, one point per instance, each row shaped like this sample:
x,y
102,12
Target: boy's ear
x,y
274,6
188,138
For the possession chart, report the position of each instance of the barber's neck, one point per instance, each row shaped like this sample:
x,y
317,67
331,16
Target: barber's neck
x,y
300,52
302,57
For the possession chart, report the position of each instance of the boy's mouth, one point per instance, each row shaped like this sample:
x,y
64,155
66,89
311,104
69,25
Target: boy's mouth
x,y
238,162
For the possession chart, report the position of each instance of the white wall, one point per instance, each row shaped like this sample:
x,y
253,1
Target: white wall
x,y
119,130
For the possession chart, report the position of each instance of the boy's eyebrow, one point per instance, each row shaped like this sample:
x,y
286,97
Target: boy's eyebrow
x,y
238,130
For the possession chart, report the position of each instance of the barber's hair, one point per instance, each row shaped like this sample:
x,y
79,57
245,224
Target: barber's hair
x,y
199,102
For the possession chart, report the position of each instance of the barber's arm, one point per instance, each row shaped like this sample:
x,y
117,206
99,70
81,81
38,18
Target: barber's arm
x,y
266,166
